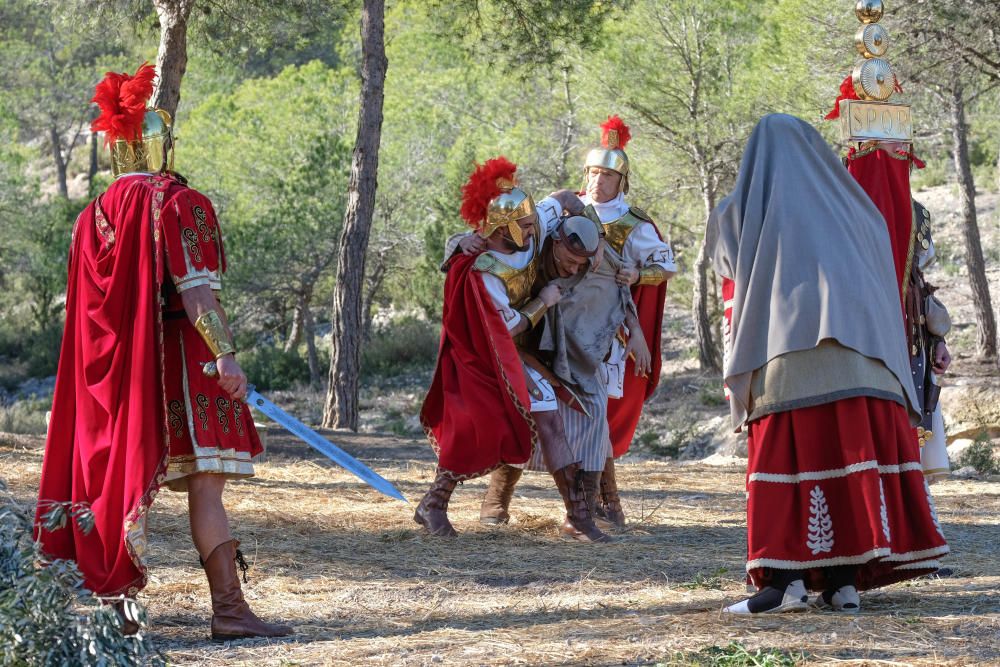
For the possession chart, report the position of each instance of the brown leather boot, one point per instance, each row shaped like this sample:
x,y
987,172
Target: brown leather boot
x,y
432,512
609,510
495,509
231,615
590,483
579,524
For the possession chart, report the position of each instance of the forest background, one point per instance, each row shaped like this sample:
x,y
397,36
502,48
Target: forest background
x,y
267,124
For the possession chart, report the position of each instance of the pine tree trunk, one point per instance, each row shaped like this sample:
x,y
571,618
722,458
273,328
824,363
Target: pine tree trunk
x,y
341,408
569,134
708,353
92,168
309,328
986,328
57,157
375,279
171,58
709,356
298,316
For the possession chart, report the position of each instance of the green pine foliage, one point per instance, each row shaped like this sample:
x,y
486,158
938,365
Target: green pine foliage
x,y
268,118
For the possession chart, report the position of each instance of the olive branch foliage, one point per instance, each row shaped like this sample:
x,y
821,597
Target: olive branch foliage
x,y
47,617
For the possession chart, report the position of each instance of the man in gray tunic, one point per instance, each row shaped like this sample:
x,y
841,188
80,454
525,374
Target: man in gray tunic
x,y
569,351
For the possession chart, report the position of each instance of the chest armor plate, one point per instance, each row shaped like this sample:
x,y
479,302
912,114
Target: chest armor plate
x,y
616,232
517,281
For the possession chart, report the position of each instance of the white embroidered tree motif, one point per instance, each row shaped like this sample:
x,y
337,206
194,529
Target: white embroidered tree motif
x,y
820,524
884,512
930,504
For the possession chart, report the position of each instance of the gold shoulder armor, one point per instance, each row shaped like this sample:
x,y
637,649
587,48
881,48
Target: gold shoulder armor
x,y
639,213
517,281
485,263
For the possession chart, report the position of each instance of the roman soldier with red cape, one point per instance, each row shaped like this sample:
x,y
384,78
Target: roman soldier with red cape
x,y
883,169
132,410
648,266
486,409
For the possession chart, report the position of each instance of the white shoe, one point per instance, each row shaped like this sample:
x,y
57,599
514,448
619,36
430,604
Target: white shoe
x,y
794,598
845,599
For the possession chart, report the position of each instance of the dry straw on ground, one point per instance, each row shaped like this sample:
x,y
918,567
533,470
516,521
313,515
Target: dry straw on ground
x,y
362,585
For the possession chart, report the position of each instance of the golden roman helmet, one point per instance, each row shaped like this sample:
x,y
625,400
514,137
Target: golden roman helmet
x,y
614,137
140,138
148,154
505,210
492,200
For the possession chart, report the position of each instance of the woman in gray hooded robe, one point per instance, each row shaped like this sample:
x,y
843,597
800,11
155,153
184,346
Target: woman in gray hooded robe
x,y
816,370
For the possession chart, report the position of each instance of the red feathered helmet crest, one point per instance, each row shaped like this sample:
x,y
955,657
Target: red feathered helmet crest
x,y
615,135
491,199
847,92
139,138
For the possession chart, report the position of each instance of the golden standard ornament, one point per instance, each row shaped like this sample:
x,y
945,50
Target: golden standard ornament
x,y
871,117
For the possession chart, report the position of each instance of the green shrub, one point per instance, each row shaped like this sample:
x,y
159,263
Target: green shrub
x,y
985,176
649,439
47,617
712,396
25,353
736,655
25,416
932,175
711,581
402,345
270,367
677,434
980,456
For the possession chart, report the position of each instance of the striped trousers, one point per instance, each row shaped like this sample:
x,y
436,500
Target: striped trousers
x,y
588,437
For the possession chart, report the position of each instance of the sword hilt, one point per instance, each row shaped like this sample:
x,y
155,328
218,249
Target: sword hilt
x,y
211,370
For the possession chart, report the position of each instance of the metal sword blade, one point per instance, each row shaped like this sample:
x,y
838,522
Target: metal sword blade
x,y
322,445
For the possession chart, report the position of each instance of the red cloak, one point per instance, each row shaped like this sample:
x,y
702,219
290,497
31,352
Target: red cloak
x,y
107,443
477,412
886,179
624,412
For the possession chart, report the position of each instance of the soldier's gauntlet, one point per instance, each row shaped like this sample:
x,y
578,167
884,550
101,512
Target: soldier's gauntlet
x,y
215,334
652,275
533,311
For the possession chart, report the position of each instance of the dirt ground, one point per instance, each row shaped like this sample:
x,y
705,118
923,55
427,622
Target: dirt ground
x,y
362,585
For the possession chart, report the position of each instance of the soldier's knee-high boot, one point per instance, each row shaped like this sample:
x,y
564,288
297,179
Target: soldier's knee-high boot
x,y
432,512
568,476
495,509
231,615
610,508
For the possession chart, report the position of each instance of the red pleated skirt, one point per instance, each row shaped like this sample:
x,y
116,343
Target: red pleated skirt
x,y
839,484
206,430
